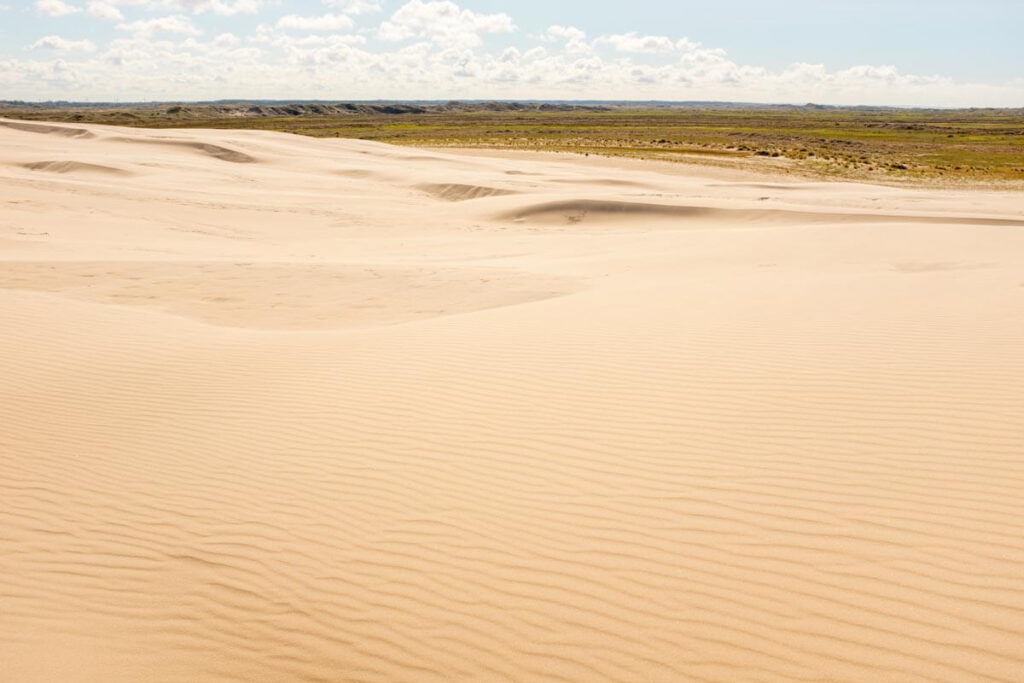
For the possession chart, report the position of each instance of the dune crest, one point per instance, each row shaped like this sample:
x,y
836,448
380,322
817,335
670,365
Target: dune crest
x,y
457,192
46,129
300,296
74,167
292,418
215,151
580,210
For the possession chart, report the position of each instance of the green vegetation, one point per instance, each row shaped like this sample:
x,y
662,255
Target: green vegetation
x,y
962,146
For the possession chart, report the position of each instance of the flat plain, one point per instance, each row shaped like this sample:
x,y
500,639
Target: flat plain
x,y
278,408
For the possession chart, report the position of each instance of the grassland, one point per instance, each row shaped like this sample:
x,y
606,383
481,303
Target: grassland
x,y
938,146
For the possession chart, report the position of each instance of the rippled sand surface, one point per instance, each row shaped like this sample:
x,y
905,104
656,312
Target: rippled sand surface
x,y
279,409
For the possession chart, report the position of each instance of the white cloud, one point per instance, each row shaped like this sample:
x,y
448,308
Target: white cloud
x,y
443,22
62,45
172,24
104,11
313,40
229,8
575,39
439,53
325,22
565,33
226,40
635,43
220,7
355,6
56,8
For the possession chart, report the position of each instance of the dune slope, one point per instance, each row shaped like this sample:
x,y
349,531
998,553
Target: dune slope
x,y
276,409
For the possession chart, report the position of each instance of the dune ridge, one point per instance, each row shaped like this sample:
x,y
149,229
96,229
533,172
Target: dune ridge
x,y
44,129
301,296
215,151
579,210
293,420
458,192
74,167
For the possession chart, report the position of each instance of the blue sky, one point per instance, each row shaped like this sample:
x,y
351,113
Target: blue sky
x,y
902,52
980,39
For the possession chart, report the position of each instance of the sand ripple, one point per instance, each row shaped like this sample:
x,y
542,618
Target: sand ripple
x,y
264,422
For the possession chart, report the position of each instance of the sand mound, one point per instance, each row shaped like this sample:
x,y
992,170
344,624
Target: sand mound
x,y
758,186
628,213
360,174
575,211
262,423
215,151
603,182
74,168
62,131
454,192
300,296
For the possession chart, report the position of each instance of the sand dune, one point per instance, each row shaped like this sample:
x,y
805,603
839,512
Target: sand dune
x,y
73,167
282,296
580,210
215,151
299,420
458,192
46,129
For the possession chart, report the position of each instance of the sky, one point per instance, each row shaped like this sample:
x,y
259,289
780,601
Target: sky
x,y
949,53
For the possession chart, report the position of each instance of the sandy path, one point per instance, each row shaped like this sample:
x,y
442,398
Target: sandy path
x,y
275,409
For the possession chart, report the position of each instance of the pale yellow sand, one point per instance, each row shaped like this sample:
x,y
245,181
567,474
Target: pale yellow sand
x,y
278,409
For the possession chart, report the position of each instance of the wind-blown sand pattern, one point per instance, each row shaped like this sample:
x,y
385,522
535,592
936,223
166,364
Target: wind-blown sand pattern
x,y
277,409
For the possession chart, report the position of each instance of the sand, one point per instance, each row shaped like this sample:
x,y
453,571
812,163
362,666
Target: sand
x,y
276,409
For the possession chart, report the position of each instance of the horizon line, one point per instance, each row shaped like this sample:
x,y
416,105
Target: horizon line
x,y
451,101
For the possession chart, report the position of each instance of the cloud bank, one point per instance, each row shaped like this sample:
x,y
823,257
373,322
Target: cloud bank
x,y
424,49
